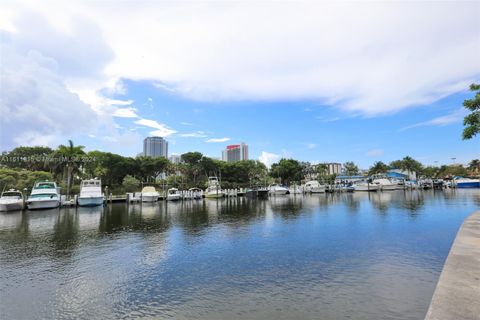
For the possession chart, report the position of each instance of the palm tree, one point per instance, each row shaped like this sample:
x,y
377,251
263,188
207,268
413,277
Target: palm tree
x,y
71,161
474,165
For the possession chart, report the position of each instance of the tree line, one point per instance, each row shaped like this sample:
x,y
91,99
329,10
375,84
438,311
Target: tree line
x,y
69,163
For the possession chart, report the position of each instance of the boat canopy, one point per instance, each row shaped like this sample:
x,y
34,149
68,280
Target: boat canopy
x,y
149,189
45,185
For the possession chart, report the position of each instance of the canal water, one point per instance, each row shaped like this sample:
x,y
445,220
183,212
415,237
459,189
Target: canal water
x,y
342,256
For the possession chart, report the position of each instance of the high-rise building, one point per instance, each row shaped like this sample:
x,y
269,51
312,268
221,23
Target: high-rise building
x,y
235,152
175,158
155,147
334,168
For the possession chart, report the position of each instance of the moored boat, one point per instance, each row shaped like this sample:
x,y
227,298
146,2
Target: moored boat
x,y
149,194
11,200
214,189
366,186
196,193
461,182
44,195
91,193
385,184
314,186
277,189
173,194
261,193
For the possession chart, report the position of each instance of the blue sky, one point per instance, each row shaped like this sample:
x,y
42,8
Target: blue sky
x,y
300,83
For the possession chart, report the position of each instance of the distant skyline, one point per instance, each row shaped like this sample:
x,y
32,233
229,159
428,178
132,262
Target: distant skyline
x,y
289,79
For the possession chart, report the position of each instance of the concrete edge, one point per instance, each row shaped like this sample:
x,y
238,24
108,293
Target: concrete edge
x,y
457,295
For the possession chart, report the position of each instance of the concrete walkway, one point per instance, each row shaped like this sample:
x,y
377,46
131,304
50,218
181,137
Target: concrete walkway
x,y
457,296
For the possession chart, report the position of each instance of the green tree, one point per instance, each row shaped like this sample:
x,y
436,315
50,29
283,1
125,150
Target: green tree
x,y
378,167
408,164
130,183
287,170
472,121
71,158
29,158
430,171
474,165
351,168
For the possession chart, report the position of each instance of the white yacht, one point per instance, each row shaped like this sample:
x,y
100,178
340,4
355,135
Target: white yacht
x,y
277,189
44,195
11,200
149,194
385,184
196,193
314,186
365,186
91,193
173,194
214,190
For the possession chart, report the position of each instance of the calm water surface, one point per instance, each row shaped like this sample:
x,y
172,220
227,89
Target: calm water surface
x,y
346,256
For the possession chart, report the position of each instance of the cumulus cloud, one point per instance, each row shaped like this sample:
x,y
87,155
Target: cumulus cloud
x,y
268,158
454,117
162,129
387,57
36,107
217,140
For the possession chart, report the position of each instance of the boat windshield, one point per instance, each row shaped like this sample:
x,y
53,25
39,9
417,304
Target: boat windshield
x,y
12,195
45,185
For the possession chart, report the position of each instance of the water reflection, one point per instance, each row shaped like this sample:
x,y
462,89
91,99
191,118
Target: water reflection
x,y
329,256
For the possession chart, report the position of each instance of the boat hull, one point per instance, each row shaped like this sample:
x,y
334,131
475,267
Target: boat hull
x,y
90,201
389,187
317,190
470,184
173,197
371,188
43,204
149,198
214,195
11,206
278,192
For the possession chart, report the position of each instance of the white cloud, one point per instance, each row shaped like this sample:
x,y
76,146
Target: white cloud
x,y
454,117
375,153
186,123
36,107
217,140
326,119
387,57
198,134
162,129
125,113
268,158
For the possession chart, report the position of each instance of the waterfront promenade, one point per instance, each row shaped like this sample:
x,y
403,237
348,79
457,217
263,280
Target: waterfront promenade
x,y
457,295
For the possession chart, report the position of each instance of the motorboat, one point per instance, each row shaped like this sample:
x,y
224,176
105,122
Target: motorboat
x,y
461,182
44,195
214,189
196,193
385,184
277,189
173,194
149,194
11,200
366,186
314,186
296,189
261,193
91,193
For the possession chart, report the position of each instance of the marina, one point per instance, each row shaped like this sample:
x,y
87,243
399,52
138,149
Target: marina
x,y
232,258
